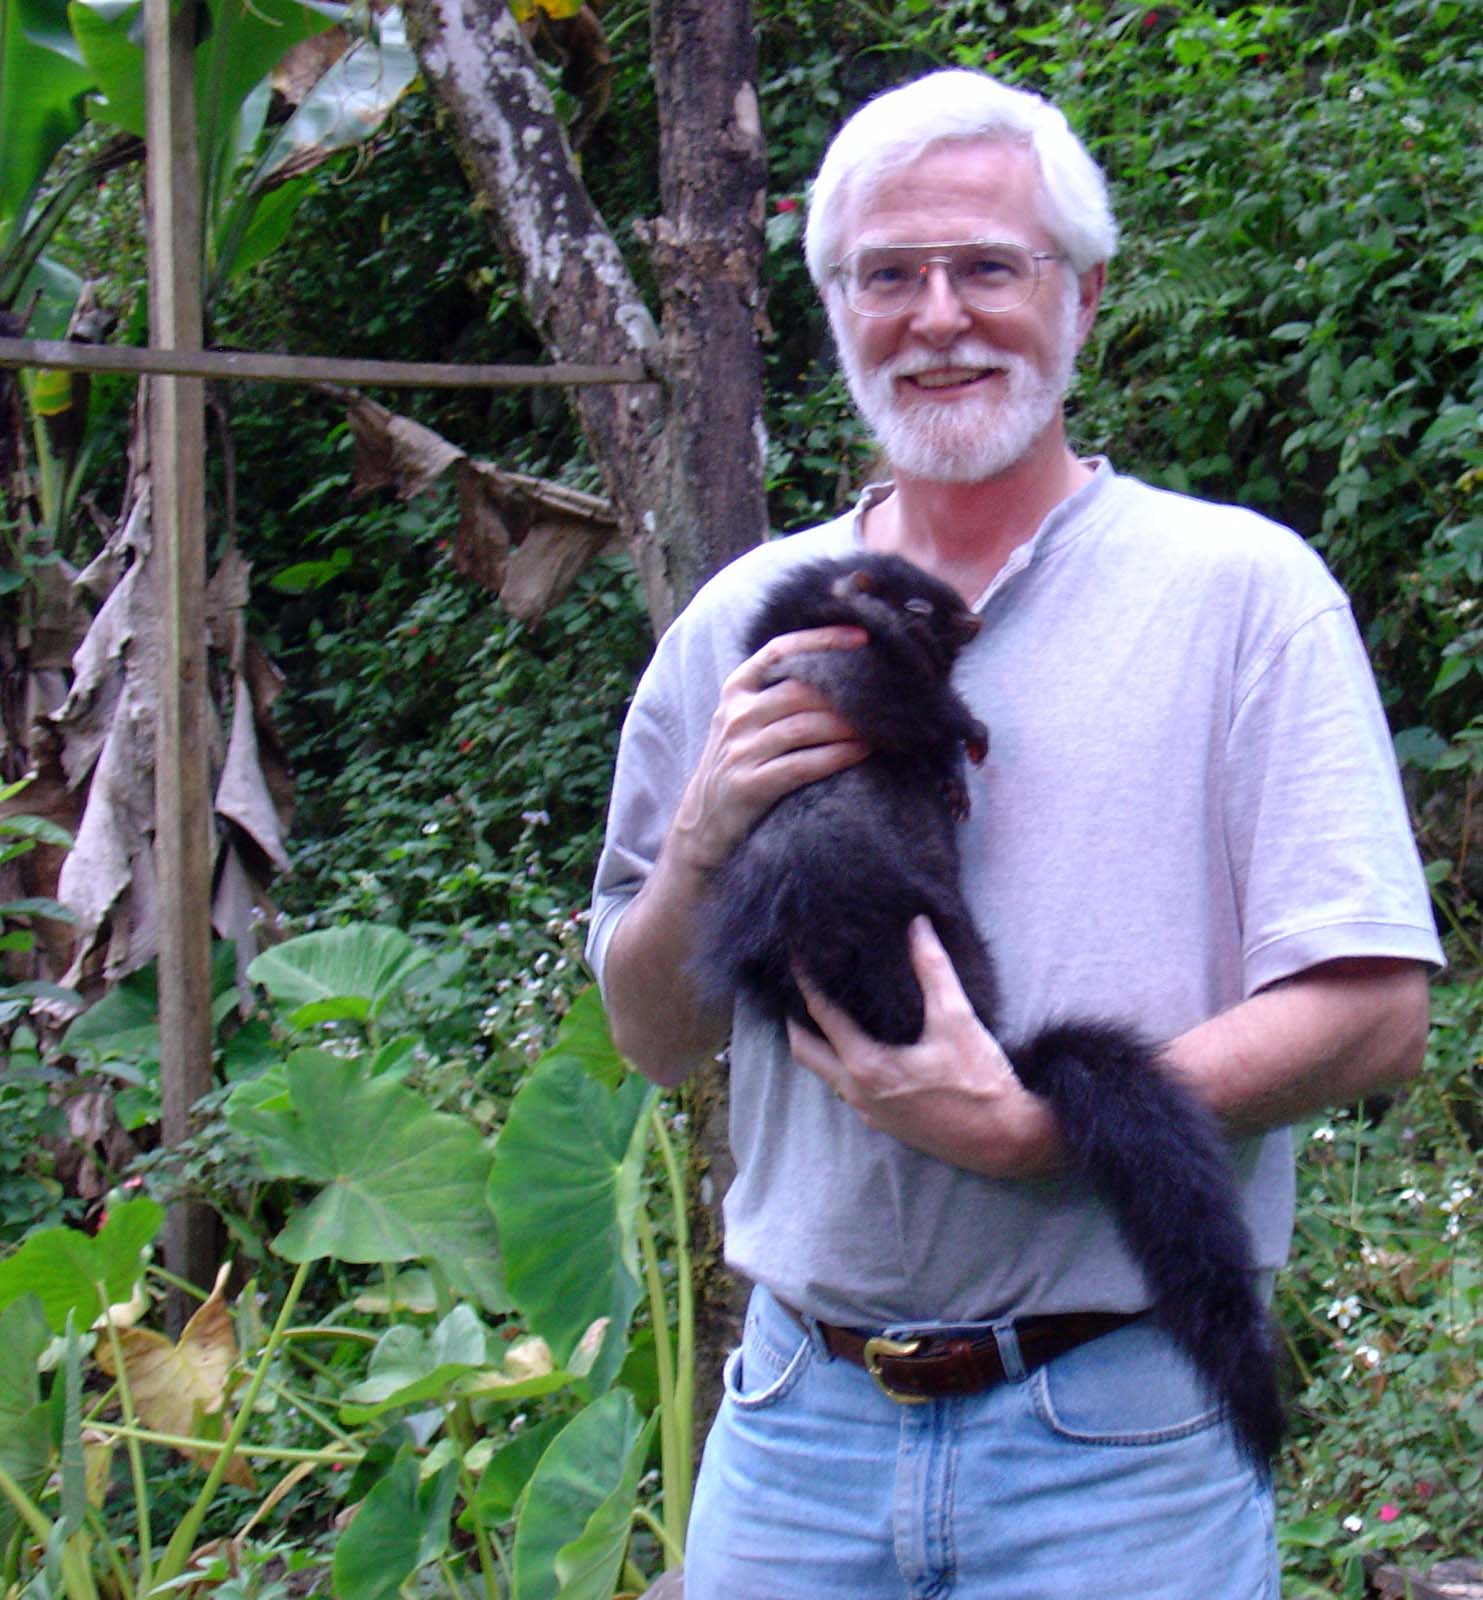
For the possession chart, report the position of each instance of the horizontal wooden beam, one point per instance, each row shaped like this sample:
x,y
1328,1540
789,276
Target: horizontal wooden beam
x,y
254,368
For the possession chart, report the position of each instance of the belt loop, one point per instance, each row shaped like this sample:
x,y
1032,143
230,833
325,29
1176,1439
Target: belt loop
x,y
1009,1349
815,1333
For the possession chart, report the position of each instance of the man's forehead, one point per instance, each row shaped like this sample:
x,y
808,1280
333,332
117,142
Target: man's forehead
x,y
959,189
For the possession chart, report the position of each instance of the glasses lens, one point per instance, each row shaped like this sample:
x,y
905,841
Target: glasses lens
x,y
881,280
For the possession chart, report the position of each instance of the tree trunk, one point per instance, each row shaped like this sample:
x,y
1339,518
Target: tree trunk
x,y
681,459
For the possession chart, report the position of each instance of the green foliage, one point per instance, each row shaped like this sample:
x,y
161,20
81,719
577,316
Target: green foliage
x,y
1383,1310
453,768
418,1399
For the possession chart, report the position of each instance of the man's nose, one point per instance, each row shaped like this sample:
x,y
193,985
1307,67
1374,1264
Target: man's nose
x,y
938,311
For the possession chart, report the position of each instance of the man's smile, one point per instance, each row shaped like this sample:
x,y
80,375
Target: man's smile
x,y
948,377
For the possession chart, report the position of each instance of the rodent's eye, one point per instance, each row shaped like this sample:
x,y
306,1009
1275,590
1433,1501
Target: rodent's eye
x,y
919,607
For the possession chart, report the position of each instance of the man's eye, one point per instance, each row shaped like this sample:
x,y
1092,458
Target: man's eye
x,y
882,276
987,269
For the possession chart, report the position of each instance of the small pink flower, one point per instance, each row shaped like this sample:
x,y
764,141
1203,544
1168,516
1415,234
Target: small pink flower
x,y
787,203
1150,19
1388,1512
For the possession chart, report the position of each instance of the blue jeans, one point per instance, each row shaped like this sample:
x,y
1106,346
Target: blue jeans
x,y
1106,1473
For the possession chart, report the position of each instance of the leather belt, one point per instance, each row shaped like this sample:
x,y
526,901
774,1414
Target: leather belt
x,y
932,1365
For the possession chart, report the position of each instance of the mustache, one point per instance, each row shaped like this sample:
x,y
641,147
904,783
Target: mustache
x,y
967,353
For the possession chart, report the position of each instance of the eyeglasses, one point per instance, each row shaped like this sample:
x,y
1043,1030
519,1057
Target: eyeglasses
x,y
883,280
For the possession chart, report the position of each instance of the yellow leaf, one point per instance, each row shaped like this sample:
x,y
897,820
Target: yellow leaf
x,y
171,1382
525,9
51,391
181,1388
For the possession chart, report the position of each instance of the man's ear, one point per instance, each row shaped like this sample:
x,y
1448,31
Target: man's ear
x,y
1089,288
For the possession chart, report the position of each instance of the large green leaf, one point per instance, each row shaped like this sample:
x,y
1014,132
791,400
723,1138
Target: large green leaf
x,y
240,45
344,108
124,1025
333,973
565,1189
587,1567
401,1181
401,1526
25,1419
509,1469
64,1267
584,1037
42,82
572,1484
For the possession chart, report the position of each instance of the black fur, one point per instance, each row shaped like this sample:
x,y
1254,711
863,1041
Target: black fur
x,y
829,880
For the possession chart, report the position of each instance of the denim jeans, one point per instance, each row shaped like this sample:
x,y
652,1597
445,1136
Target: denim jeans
x,y
1106,1475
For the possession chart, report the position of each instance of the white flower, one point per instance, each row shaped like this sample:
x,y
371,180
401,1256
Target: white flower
x,y
1413,124
1356,94
1345,1311
429,827
1354,1524
1323,1135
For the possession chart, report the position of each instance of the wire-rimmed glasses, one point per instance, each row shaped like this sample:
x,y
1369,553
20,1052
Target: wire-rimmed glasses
x,y
883,280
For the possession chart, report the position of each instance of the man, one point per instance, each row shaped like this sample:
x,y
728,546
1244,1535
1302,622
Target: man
x,y
1189,821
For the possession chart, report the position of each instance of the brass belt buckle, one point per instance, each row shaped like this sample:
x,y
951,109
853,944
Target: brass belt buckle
x,y
880,1346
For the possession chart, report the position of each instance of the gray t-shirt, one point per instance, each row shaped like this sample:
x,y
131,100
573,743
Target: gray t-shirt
x,y
1190,793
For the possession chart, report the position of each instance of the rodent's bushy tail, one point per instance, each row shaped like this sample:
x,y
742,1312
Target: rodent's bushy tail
x,y
1159,1160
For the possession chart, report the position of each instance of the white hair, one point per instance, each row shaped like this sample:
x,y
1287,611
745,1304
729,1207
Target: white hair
x,y
896,128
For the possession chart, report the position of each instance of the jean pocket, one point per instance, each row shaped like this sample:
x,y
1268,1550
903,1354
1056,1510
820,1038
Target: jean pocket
x,y
1131,1387
759,1373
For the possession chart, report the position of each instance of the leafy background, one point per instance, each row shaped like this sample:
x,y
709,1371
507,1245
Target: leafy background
x,y
1292,322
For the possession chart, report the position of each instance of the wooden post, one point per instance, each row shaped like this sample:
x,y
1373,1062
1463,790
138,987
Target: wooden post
x,y
183,852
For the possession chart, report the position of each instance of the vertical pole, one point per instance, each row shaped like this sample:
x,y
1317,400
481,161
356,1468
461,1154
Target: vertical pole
x,y
183,852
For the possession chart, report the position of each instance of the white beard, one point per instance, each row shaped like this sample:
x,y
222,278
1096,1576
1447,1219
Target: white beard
x,y
970,439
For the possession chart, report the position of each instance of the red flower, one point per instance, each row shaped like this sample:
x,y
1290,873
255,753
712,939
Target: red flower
x,y
1423,1490
1150,19
1388,1512
787,203
464,746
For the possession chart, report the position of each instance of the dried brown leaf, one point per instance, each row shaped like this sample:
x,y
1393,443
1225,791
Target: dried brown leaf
x,y
176,1386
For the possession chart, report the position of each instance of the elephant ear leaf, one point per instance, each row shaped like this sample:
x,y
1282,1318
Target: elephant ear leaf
x,y
566,1189
68,1271
400,1181
338,973
25,1418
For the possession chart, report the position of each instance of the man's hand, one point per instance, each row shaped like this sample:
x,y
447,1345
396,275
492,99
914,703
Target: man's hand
x,y
766,739
768,736
952,1094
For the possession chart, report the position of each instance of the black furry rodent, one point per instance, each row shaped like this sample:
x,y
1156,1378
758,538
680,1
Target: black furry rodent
x,y
829,881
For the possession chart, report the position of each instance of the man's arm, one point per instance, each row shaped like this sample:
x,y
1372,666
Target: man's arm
x,y
766,739
1322,1038
1325,1037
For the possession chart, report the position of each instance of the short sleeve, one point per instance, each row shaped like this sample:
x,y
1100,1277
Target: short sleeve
x,y
1318,834
650,773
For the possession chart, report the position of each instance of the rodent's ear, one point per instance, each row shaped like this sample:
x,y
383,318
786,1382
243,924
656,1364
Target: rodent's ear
x,y
856,581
